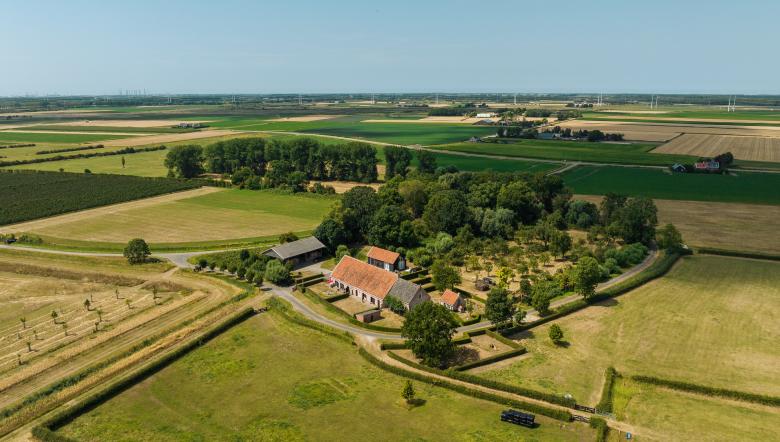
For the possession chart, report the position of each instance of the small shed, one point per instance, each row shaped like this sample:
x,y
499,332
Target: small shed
x,y
297,252
368,316
453,301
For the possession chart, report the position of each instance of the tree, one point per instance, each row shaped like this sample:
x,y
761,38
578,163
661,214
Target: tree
x,y
127,302
185,161
560,243
358,206
137,251
391,226
408,392
395,305
499,306
123,162
504,275
446,211
287,237
444,276
258,279
99,315
54,316
669,238
23,320
87,304
520,199
541,294
428,329
426,161
203,263
276,272
519,316
342,251
331,233
397,160
414,195
587,275
555,333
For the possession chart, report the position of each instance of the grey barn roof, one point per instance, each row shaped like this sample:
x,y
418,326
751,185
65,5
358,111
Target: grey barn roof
x,y
295,248
404,290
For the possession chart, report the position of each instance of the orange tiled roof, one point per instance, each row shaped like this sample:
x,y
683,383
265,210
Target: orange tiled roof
x,y
364,276
383,255
449,297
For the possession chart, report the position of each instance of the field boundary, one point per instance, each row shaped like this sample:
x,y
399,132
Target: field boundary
x,y
772,401
737,254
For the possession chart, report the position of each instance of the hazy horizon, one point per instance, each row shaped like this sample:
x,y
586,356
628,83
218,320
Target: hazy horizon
x,y
406,47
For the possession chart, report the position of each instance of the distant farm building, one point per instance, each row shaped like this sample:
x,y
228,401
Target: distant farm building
x,y
297,252
385,259
486,115
677,167
371,285
707,165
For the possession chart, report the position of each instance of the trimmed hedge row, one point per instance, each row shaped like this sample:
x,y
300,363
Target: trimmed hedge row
x,y
69,149
602,429
465,377
772,401
737,254
491,359
655,270
13,146
479,394
393,345
281,307
309,294
308,278
422,280
66,416
45,435
605,404
470,321
500,338
310,282
414,274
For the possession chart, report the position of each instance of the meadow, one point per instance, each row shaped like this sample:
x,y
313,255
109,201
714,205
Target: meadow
x,y
743,187
710,321
204,216
42,137
293,384
621,153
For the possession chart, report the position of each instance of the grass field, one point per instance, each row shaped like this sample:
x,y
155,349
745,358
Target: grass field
x,y
711,321
146,164
745,187
633,153
267,379
35,137
216,215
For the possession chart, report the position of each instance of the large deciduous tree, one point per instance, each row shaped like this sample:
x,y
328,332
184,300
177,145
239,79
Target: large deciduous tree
x,y
137,251
185,161
586,276
446,211
499,306
428,329
444,276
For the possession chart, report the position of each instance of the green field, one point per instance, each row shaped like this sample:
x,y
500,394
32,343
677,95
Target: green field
x,y
140,130
185,220
474,164
627,153
745,187
147,164
269,380
34,137
710,321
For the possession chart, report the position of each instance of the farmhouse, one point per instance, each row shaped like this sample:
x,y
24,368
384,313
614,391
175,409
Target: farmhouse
x,y
452,301
707,165
371,285
297,252
385,259
677,167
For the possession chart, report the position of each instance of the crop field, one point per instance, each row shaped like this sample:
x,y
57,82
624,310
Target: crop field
x,y
624,153
199,216
42,137
476,164
29,195
664,131
743,148
167,138
744,187
720,225
703,114
710,321
143,164
293,384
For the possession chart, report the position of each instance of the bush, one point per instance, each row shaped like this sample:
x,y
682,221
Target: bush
x,y
602,430
277,273
772,401
137,251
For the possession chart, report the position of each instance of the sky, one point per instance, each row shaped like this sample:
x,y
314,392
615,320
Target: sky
x,y
231,46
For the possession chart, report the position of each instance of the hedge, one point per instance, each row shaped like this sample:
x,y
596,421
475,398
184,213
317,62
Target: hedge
x,y
346,315
393,345
498,337
65,416
470,321
13,146
655,270
491,359
465,377
125,151
310,282
422,280
772,401
281,307
479,394
44,434
602,430
414,274
69,149
308,278
737,254
467,294
605,404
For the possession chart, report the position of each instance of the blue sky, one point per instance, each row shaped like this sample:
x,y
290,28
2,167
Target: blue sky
x,y
101,47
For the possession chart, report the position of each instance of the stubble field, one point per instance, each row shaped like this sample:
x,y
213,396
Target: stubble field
x,y
743,148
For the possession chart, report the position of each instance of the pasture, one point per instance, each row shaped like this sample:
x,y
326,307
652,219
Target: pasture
x,y
744,187
710,320
209,215
621,153
743,148
291,383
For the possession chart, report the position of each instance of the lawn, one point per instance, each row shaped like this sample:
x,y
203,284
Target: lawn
x,y
711,321
744,187
218,215
267,379
36,137
621,153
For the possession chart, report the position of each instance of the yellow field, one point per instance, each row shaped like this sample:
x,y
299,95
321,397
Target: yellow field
x,y
743,148
667,131
167,138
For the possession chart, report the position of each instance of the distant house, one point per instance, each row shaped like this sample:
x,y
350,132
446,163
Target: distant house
x,y
486,115
452,301
677,167
371,285
297,252
385,259
707,165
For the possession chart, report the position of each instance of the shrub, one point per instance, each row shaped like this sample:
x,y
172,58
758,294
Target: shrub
x,y
602,430
276,272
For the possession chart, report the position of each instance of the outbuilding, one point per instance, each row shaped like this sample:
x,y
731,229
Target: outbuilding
x,y
297,252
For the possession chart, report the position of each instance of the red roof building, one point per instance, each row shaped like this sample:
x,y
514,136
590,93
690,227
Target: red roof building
x,y
385,259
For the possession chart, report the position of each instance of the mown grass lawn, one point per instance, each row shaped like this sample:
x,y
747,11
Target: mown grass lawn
x,y
743,187
711,321
270,380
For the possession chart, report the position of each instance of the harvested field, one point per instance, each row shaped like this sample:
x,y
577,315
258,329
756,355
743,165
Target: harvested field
x,y
720,225
168,138
129,134
307,118
633,132
667,131
129,123
743,147
693,120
